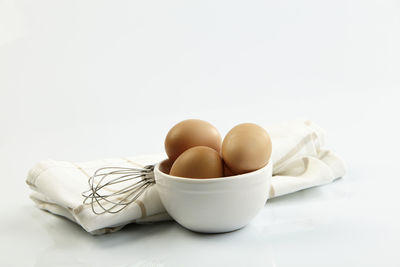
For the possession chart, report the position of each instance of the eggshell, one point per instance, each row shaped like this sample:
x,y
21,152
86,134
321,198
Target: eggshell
x,y
247,147
165,166
198,162
191,133
227,171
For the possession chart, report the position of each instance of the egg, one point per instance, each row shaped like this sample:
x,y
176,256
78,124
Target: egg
x,y
198,162
246,147
227,171
191,133
165,166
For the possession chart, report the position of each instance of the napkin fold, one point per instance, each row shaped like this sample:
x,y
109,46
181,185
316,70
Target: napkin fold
x,y
300,161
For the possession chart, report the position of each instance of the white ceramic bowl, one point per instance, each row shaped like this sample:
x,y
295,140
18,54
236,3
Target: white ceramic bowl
x,y
214,205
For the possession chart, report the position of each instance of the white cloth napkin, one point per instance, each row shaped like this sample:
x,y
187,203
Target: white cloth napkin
x,y
299,158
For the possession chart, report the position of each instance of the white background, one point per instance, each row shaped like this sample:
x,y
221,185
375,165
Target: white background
x,y
83,80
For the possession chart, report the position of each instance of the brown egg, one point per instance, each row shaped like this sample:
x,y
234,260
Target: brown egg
x,y
198,162
191,133
165,166
247,147
227,171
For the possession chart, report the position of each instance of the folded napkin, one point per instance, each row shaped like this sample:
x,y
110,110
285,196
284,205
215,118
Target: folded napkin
x,y
299,158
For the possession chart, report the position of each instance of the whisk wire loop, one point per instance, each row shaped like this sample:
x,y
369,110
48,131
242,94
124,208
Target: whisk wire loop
x,y
112,189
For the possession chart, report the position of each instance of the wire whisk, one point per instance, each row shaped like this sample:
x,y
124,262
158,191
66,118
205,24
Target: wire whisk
x,y
112,189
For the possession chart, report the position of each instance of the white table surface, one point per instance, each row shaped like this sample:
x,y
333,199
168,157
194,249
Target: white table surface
x,y
82,80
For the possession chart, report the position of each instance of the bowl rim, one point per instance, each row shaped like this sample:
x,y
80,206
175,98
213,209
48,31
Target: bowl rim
x,y
212,180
